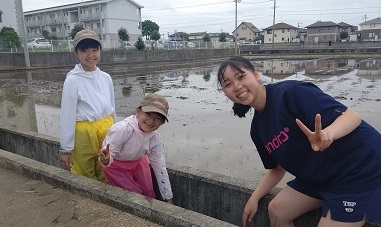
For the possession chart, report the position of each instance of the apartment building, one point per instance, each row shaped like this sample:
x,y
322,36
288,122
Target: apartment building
x,y
8,17
105,17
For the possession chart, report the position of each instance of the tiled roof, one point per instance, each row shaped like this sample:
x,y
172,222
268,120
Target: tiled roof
x,y
374,21
323,24
250,25
280,26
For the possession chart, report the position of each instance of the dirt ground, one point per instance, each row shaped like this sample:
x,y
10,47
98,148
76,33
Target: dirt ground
x,y
28,202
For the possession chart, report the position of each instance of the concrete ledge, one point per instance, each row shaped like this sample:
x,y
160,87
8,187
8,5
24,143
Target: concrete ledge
x,y
157,211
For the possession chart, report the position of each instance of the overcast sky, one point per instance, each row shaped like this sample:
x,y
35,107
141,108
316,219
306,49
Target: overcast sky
x,y
219,15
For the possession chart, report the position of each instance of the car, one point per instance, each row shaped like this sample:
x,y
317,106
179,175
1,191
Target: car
x,y
159,44
191,45
173,45
39,43
129,45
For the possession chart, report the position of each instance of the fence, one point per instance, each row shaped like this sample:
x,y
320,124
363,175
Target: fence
x,y
67,45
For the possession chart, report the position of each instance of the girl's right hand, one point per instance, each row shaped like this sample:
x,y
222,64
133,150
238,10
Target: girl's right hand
x,y
249,211
104,155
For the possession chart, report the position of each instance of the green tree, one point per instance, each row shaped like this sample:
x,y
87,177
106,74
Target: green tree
x,y
343,35
47,35
77,27
140,44
9,37
222,37
123,34
155,35
148,27
184,36
206,38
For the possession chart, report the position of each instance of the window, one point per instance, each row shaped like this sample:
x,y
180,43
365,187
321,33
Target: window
x,y
282,38
282,30
320,30
269,31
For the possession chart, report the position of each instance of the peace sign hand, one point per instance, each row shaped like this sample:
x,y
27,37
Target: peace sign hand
x,y
104,154
320,139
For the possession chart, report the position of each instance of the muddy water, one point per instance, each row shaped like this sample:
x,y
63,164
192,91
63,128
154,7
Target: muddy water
x,y
202,131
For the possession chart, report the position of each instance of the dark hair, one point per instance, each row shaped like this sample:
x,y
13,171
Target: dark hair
x,y
88,43
236,63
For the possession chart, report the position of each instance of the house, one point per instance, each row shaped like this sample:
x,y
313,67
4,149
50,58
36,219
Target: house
x,y
246,31
350,30
302,34
323,32
371,30
283,33
8,17
105,17
196,36
177,36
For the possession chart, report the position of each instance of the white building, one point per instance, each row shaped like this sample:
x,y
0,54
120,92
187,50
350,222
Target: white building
x,y
283,33
8,16
105,17
371,30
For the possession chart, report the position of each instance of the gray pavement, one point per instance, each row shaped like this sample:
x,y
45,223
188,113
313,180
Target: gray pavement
x,y
28,202
36,194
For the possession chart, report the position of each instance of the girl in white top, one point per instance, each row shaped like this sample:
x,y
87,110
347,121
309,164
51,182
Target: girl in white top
x,y
130,142
87,109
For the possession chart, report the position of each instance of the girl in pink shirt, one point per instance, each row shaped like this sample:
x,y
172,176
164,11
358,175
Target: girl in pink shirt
x,y
134,143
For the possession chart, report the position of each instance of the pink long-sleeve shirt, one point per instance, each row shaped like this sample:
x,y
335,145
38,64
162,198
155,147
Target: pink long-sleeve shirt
x,y
128,143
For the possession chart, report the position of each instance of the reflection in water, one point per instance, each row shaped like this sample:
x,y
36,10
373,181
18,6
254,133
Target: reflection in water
x,y
329,66
201,132
370,67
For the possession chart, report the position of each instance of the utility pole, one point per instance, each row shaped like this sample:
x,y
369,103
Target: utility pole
x,y
272,61
273,31
235,35
22,30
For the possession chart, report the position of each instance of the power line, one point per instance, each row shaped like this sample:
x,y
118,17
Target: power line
x,y
247,15
189,6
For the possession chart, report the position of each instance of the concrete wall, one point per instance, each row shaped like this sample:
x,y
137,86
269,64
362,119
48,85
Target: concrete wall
x,y
214,195
61,59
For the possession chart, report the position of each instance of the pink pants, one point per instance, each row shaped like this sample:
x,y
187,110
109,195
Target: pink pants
x,y
133,176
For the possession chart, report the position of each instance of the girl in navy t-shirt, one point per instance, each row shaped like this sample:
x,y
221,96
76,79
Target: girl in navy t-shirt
x,y
333,154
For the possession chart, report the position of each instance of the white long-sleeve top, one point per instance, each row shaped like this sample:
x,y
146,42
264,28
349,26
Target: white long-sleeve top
x,y
86,96
128,143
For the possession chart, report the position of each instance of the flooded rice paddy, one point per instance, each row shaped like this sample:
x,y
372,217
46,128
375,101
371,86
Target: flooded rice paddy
x,y
202,132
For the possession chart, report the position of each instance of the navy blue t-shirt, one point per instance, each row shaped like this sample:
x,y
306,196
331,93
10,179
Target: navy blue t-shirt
x,y
351,164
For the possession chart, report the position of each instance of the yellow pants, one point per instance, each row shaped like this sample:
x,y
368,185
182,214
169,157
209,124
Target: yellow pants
x,y
88,141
